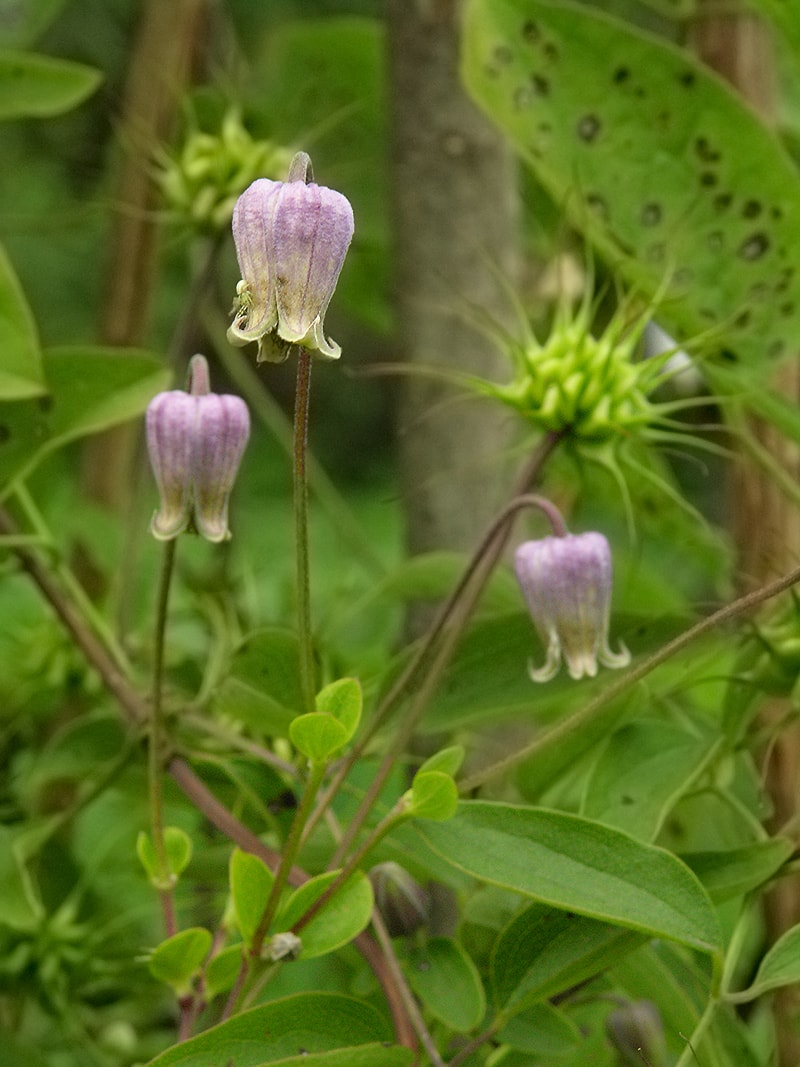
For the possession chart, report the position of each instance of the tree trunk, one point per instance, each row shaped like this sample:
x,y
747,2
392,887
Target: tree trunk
x,y
455,215
766,526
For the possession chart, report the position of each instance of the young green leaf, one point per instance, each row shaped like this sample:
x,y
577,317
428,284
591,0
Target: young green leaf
x,y
35,86
344,916
447,760
177,960
734,872
578,865
317,735
21,372
779,967
251,882
344,701
433,795
448,984
222,970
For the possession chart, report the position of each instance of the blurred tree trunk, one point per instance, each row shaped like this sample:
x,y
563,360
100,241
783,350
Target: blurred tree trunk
x,y
766,526
455,255
165,49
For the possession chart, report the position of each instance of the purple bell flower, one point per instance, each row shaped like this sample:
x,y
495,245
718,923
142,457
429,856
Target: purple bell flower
x,y
566,582
291,239
195,440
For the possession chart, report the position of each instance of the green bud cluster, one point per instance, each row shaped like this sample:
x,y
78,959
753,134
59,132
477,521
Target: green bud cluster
x,y
201,184
576,383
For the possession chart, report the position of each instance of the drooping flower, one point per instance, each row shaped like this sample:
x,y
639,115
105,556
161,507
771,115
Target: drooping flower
x,y
566,582
291,239
195,440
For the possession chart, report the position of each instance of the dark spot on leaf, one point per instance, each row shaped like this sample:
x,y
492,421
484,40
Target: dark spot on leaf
x,y
709,314
588,128
5,433
752,209
776,212
655,252
754,247
687,79
786,276
639,92
705,152
621,75
758,290
787,308
541,85
45,403
626,800
490,71
715,241
550,51
776,349
722,201
728,356
570,914
651,214
424,965
742,319
597,204
531,32
544,126
708,179
684,276
503,54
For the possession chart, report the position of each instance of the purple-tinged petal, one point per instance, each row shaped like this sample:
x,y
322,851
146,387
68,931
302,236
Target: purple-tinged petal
x,y
170,432
222,429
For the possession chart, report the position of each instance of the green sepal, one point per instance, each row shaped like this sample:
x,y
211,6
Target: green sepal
x,y
178,848
433,795
343,700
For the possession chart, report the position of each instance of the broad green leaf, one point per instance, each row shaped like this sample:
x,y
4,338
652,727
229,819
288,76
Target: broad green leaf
x,y
448,760
578,865
448,984
285,1029
251,882
733,872
663,167
642,771
343,700
178,959
21,374
317,735
344,916
35,86
23,22
433,795
541,1029
262,689
222,971
780,967
178,847
90,389
544,951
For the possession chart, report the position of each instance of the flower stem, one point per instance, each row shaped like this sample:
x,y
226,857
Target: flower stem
x,y
300,486
155,762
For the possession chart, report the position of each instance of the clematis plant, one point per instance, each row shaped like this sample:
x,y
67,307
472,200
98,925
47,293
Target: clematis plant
x,y
291,239
195,440
566,582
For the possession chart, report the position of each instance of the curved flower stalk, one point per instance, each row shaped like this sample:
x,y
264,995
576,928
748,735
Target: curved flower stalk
x,y
195,440
566,582
291,239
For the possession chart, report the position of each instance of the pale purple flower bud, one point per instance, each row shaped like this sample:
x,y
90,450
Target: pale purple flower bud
x,y
195,441
291,239
404,904
637,1033
566,582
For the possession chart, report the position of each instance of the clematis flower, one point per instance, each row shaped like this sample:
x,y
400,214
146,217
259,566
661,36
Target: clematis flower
x,y
291,239
195,440
566,582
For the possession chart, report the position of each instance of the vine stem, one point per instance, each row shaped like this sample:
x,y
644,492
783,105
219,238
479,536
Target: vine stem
x,y
155,747
473,578
300,487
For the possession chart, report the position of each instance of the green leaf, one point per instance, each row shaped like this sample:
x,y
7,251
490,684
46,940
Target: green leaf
x,y
20,906
661,165
433,795
90,389
177,960
737,871
317,735
23,24
222,971
447,760
34,86
262,689
577,865
447,982
287,1029
642,772
344,916
21,373
178,846
541,1029
251,882
544,951
780,967
343,700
